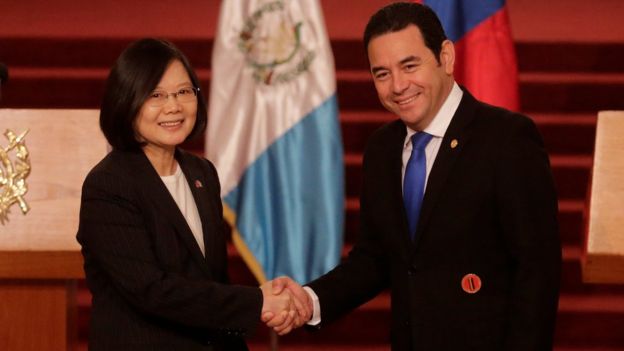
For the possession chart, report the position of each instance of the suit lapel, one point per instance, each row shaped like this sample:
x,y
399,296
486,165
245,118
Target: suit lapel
x,y
395,159
157,192
456,137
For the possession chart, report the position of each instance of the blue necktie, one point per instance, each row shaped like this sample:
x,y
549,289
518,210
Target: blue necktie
x,y
414,181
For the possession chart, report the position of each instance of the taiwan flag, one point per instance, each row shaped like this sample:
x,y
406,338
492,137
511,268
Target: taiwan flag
x,y
486,60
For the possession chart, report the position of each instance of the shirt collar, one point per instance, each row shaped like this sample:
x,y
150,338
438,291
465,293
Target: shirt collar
x,y
442,119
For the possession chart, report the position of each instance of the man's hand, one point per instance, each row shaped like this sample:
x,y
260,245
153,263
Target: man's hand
x,y
301,301
278,310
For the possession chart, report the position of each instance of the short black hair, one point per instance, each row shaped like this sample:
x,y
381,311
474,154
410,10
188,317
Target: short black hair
x,y
399,15
135,74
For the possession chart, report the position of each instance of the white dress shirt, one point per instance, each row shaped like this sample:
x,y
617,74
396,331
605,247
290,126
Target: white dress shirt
x,y
437,128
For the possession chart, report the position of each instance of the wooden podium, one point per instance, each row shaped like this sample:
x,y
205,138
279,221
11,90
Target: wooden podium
x,y
40,259
603,259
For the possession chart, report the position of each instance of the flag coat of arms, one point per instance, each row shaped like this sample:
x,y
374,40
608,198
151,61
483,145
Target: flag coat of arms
x,y
274,136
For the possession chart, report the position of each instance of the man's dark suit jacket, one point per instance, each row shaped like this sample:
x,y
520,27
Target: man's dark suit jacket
x,y
152,288
489,208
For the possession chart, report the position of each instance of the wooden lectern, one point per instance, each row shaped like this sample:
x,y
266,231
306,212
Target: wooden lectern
x,y
603,259
40,259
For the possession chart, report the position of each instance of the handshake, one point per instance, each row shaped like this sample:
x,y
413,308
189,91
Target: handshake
x,y
285,306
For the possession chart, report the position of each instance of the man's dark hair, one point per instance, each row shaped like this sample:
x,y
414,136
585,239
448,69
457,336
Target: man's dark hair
x,y
398,16
135,74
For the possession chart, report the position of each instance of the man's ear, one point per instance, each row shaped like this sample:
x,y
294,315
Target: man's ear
x,y
447,56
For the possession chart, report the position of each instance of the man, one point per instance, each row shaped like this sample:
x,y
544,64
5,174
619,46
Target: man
x,y
474,263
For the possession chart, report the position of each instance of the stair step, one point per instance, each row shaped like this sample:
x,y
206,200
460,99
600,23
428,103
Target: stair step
x,y
604,303
558,96
349,54
580,322
95,73
563,118
532,56
570,91
609,300
562,134
89,52
45,72
62,87
285,346
573,77
590,329
570,57
83,88
570,218
562,86
571,173
570,224
380,117
577,92
352,204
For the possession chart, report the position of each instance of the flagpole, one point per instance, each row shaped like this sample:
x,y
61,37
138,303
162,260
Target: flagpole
x,y
251,74
273,340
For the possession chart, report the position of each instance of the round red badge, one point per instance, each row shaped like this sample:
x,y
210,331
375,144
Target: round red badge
x,y
471,283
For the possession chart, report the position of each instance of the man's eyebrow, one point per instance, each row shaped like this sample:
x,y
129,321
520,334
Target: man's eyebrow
x,y
411,58
377,69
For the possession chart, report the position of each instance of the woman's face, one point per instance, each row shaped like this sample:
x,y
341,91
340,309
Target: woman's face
x,y
168,114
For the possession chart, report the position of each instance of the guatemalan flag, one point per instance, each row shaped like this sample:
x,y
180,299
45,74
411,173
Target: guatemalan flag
x,y
486,59
274,136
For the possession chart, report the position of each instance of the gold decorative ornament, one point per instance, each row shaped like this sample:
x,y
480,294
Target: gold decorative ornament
x,y
13,174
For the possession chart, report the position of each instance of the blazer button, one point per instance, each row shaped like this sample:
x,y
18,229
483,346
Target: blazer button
x,y
411,272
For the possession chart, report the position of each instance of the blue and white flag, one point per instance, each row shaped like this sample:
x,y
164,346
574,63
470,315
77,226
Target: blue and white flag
x,y
274,136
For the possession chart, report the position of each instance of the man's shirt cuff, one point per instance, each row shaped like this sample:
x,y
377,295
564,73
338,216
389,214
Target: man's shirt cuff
x,y
316,315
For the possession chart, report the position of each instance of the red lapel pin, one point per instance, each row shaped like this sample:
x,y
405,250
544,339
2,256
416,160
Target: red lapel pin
x,y
198,184
471,283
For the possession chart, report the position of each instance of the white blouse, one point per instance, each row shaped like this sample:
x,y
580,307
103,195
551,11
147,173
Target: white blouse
x,y
181,192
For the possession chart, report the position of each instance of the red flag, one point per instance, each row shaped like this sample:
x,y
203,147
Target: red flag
x,y
486,61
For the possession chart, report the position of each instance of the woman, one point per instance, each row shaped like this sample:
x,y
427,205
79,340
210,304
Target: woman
x,y
151,225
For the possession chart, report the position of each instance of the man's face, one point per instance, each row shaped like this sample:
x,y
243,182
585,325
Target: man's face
x,y
410,82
